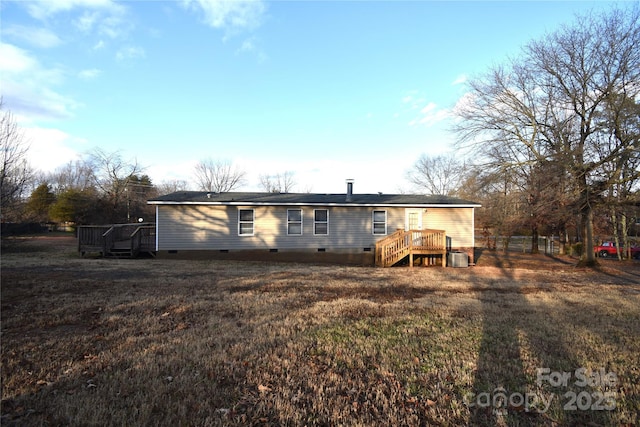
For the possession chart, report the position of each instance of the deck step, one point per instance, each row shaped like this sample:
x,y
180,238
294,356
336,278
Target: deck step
x,y
409,243
120,253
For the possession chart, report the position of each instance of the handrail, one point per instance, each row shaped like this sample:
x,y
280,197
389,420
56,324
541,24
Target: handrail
x,y
107,240
401,243
109,231
137,236
391,237
391,251
135,241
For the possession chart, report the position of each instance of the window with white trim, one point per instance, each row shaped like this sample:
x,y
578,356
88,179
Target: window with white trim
x,y
294,222
320,221
245,222
379,222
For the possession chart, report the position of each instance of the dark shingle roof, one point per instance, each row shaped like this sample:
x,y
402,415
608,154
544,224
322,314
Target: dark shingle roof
x,y
240,198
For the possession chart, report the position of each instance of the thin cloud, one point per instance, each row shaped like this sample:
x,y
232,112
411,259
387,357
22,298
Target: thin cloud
x,y
15,60
461,79
413,100
98,46
89,74
87,21
31,103
420,111
430,114
429,108
252,46
26,86
247,46
231,16
104,17
42,10
115,25
130,52
37,37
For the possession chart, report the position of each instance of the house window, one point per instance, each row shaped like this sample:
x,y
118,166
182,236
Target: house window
x,y
379,222
321,221
294,222
245,222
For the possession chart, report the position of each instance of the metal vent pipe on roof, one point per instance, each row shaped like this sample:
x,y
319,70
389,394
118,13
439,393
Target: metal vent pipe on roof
x,y
349,190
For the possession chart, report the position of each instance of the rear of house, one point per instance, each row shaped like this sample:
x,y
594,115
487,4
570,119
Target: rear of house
x,y
341,228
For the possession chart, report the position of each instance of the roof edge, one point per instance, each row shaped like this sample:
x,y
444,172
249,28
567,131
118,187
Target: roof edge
x,y
349,204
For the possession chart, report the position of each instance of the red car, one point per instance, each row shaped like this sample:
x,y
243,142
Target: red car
x,y
608,249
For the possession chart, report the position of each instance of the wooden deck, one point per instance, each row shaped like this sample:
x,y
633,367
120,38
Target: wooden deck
x,y
402,244
117,240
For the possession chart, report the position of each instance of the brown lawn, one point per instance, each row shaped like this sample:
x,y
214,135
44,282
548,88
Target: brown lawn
x,y
149,342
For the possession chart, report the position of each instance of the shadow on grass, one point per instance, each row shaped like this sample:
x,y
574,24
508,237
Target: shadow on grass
x,y
622,272
507,389
214,344
499,371
562,260
17,246
514,259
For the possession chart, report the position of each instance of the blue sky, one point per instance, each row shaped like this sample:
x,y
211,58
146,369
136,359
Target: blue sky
x,y
328,90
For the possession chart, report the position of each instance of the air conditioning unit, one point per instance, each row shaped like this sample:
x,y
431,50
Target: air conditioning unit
x,y
458,259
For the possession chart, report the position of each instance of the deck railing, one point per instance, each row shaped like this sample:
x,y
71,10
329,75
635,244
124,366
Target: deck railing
x,y
108,240
391,249
117,239
400,244
90,238
143,239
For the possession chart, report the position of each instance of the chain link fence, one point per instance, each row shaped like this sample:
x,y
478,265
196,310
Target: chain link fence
x,y
548,245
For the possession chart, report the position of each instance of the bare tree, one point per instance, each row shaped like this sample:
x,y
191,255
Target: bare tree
x,y
111,171
441,175
76,175
16,173
112,176
278,183
544,106
218,176
172,186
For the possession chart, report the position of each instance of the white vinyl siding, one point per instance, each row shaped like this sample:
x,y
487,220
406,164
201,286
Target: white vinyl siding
x,y
245,222
321,221
379,222
294,222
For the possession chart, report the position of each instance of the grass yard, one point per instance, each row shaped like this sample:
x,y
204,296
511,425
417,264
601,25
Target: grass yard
x,y
157,342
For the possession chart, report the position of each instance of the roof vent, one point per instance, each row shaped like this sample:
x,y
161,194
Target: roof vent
x,y
349,190
208,195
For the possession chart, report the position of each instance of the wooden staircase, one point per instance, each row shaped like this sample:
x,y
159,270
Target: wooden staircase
x,y
401,244
118,240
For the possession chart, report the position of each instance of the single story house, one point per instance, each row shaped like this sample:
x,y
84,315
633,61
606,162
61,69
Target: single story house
x,y
343,228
